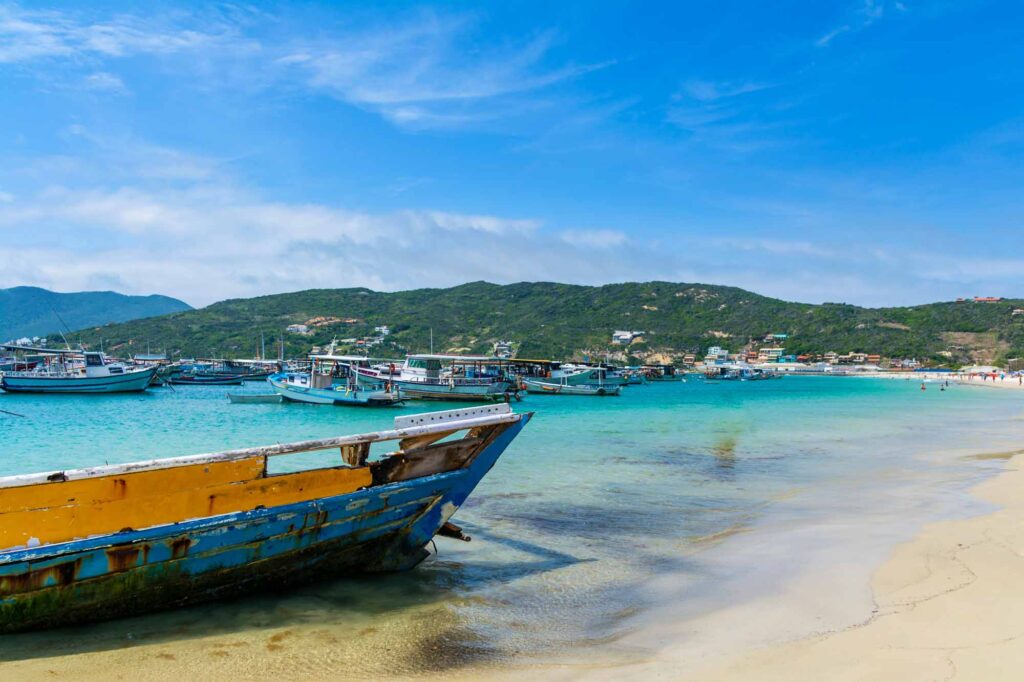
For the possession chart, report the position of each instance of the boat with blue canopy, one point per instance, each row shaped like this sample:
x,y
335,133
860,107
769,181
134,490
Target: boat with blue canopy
x,y
333,380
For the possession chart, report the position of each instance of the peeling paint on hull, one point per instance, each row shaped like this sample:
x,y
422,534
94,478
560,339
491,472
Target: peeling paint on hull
x,y
379,528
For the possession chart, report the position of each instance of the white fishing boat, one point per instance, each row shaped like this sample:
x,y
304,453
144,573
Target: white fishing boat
x,y
600,375
79,372
446,377
332,380
547,387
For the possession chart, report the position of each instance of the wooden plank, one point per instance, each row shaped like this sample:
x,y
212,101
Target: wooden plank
x,y
143,507
91,491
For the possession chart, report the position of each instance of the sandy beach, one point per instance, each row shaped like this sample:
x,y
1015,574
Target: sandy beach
x,y
948,606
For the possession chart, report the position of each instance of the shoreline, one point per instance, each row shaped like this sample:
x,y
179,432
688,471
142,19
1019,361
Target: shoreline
x,y
953,378
947,604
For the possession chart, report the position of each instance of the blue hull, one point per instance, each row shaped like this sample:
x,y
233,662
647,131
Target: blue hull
x,y
381,528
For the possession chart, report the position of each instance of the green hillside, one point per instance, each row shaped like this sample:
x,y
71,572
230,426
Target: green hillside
x,y
561,320
31,311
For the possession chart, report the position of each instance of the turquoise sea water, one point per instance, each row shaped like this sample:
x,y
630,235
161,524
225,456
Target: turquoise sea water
x,y
596,500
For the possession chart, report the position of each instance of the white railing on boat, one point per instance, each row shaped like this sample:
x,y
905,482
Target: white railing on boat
x,y
405,427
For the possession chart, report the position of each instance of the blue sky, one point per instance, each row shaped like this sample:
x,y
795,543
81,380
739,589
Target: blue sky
x,y
864,151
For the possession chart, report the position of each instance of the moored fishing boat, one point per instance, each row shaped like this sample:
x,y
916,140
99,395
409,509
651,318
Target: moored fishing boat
x,y
78,372
738,372
192,378
545,387
446,377
332,380
661,373
124,539
602,375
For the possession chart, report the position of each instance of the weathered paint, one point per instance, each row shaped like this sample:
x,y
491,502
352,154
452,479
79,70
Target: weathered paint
x,y
382,527
60,511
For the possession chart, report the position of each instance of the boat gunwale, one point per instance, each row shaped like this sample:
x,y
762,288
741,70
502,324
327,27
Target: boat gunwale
x,y
162,531
22,480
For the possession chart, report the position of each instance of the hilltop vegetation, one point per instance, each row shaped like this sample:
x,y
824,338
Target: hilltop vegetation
x,y
31,311
561,320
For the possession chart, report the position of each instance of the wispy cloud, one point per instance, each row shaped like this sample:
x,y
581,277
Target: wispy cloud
x,y
595,239
863,15
723,114
418,75
424,70
102,81
28,35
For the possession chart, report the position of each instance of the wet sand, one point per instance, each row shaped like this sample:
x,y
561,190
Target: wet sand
x,y
947,605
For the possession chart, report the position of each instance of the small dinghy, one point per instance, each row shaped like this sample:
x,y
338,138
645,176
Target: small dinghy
x,y
254,398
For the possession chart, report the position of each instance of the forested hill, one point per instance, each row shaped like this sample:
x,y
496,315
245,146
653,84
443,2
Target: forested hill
x,y
31,311
560,320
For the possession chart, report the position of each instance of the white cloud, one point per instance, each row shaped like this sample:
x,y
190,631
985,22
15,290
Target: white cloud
x,y
826,39
102,81
709,91
420,74
599,239
209,242
719,114
866,13
425,71
27,35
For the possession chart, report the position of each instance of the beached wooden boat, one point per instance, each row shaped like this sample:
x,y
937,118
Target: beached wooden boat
x,y
563,388
79,372
119,540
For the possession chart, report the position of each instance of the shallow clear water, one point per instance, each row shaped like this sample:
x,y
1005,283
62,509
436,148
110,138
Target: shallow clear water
x,y
596,499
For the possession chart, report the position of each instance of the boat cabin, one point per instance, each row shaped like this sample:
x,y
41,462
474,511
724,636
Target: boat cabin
x,y
432,368
331,370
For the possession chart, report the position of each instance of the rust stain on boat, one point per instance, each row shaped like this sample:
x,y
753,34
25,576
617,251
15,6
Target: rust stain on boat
x,y
123,558
180,547
60,574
